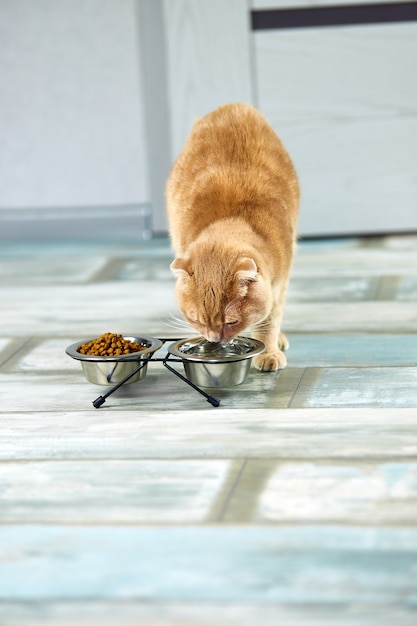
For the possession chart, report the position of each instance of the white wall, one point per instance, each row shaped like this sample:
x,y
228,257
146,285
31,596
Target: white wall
x,y
71,104
208,60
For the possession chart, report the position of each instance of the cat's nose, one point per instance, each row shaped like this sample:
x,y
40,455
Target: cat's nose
x,y
214,336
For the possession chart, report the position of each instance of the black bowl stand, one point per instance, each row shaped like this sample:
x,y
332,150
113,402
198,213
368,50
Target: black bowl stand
x,y
168,357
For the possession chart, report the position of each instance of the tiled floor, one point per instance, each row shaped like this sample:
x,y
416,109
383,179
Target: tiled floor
x,y
294,502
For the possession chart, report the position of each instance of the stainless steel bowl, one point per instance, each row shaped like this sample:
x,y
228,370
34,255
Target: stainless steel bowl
x,y
110,370
209,364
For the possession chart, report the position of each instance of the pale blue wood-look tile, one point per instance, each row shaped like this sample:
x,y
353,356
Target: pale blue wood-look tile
x,y
347,350
347,317
157,269
109,491
3,342
120,433
306,350
407,289
345,492
160,390
9,347
47,355
149,306
307,564
88,310
358,387
58,271
329,289
322,262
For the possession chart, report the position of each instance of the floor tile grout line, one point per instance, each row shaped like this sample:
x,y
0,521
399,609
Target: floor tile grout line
x,y
387,288
27,341
203,524
297,387
374,288
220,517
284,459
109,271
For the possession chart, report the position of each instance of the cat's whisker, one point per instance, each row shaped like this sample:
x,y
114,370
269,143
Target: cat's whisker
x,y
176,326
261,327
260,324
178,323
176,317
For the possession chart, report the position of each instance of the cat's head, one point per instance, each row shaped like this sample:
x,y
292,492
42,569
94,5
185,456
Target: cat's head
x,y
220,298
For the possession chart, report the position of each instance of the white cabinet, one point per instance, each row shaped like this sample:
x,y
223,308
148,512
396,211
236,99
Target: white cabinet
x,y
344,100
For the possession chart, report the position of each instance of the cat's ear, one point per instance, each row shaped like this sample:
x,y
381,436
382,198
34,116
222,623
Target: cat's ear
x,y
246,270
180,267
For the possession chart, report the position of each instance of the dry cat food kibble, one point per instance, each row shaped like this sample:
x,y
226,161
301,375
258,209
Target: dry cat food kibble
x,y
110,344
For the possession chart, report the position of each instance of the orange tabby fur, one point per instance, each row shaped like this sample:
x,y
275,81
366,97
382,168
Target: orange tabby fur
x,y
232,201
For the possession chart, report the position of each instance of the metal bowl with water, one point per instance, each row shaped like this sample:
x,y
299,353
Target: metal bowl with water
x,y
208,364
110,370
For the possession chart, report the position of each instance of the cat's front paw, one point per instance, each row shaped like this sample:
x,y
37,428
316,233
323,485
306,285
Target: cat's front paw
x,y
270,361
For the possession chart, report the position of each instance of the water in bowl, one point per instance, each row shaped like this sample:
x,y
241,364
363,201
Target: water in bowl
x,y
219,351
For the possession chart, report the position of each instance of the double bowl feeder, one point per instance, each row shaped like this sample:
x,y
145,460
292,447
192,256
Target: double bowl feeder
x,y
206,364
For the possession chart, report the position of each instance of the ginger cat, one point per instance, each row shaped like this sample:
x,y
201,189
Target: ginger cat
x,y
232,200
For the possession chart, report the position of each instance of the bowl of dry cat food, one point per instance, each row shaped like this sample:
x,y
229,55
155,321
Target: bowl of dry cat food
x,y
108,359
208,364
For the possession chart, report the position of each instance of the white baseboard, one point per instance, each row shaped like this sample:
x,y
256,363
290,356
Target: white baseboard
x,y
128,222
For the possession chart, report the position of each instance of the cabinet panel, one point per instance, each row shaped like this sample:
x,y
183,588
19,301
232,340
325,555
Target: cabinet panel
x,y
356,176
337,72
345,102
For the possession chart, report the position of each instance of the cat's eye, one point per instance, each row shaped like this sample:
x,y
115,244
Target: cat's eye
x,y
232,322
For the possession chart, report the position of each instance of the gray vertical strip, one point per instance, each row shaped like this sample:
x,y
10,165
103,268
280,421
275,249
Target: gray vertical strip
x,y
152,49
